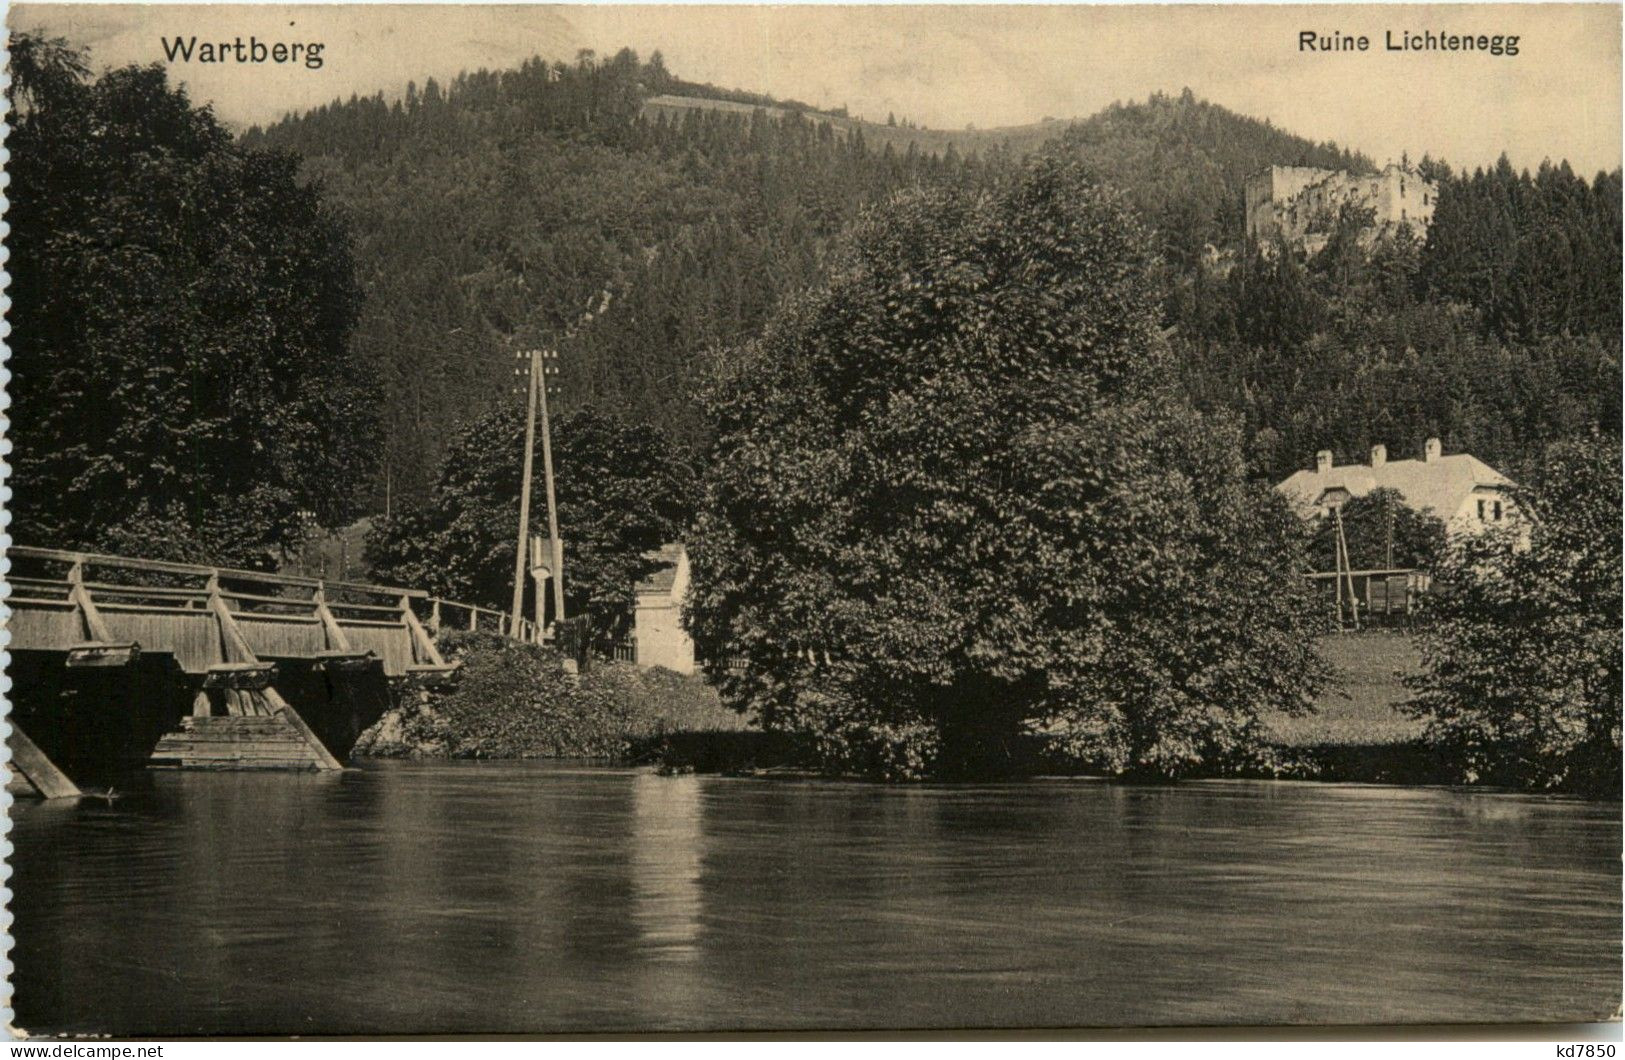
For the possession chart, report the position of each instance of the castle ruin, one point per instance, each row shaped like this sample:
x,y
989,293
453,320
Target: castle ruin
x,y
1301,204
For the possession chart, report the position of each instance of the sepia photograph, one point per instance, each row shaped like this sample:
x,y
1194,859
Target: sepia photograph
x,y
715,519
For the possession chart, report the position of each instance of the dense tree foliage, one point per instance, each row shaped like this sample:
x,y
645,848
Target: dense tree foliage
x,y
622,492
950,501
1382,532
1535,255
498,209
1522,672
1352,348
181,311
1183,164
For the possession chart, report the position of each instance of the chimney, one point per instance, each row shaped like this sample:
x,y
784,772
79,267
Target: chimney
x,y
1430,451
1379,455
1323,461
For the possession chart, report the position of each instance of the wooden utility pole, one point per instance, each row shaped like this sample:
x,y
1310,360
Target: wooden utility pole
x,y
520,549
1337,579
1346,569
552,502
1388,509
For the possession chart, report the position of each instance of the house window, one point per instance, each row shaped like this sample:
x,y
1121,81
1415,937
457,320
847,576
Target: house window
x,y
1482,504
1495,510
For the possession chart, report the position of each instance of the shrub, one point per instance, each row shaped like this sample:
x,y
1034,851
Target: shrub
x,y
514,700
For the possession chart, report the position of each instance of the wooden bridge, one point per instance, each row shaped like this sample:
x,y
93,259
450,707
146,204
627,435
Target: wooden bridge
x,y
200,667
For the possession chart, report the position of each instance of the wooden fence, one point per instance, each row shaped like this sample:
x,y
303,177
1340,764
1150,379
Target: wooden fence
x,y
1380,597
625,650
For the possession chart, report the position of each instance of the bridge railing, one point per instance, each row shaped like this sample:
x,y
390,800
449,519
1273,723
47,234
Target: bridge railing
x,y
121,568
451,614
58,579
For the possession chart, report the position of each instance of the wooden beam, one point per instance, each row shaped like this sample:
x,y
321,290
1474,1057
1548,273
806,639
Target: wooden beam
x,y
336,640
30,762
101,654
1348,567
420,636
96,627
1324,575
241,676
230,574
277,705
236,647
261,598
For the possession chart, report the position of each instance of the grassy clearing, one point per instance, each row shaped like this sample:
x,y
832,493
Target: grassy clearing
x,y
1359,710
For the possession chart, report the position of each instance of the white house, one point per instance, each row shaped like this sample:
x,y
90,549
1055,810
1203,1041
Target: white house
x,y
1460,489
657,620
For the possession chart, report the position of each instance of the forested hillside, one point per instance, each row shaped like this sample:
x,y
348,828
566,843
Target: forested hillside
x,y
639,221
497,212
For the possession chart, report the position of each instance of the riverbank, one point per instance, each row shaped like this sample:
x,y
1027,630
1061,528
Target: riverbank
x,y
1357,732
514,701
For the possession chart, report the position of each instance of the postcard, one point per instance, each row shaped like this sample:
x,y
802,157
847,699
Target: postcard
x,y
643,519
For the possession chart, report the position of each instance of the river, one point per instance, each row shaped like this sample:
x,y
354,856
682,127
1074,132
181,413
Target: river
x,y
513,897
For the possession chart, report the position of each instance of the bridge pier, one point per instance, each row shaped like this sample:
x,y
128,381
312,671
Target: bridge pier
x,y
254,729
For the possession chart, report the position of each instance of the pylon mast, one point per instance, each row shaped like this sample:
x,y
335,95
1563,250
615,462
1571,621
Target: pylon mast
x,y
522,548
556,546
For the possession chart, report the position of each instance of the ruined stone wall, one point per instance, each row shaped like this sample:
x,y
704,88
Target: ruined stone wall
x,y
1302,204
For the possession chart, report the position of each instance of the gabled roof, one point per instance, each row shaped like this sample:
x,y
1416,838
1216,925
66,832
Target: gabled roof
x,y
1442,484
662,580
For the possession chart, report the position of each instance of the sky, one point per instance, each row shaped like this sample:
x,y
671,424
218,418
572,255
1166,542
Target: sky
x,y
949,66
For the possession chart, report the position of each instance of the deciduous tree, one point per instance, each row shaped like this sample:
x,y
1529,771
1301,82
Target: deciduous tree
x,y
182,383
1381,531
952,501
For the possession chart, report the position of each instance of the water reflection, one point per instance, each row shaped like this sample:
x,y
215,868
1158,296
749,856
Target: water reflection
x,y
667,850
517,897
